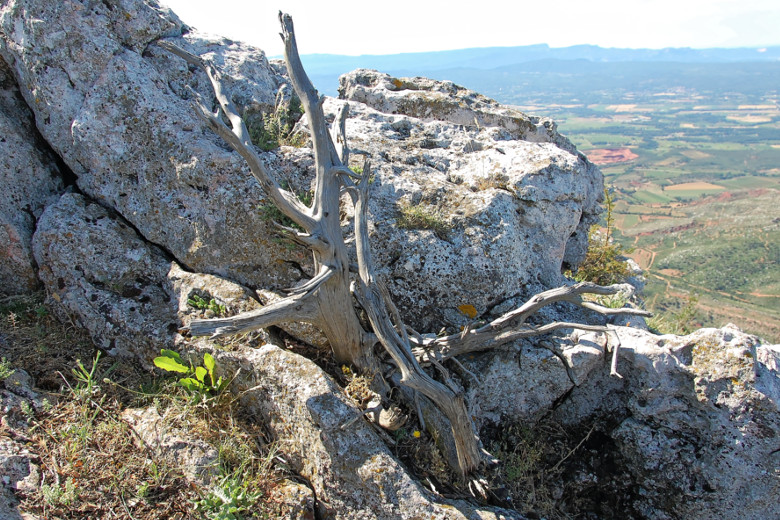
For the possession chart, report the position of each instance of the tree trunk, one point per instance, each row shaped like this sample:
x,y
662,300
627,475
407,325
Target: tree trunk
x,y
326,300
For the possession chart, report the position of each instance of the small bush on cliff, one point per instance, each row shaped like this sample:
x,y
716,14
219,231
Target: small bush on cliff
x,y
604,262
277,128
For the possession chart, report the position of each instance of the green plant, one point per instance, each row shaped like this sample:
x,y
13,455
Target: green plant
x,y
230,499
86,384
5,369
57,495
270,213
203,304
27,409
422,216
277,128
604,262
200,382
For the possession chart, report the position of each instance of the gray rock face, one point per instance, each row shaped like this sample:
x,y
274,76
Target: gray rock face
x,y
129,296
508,199
352,472
30,181
197,460
695,423
112,107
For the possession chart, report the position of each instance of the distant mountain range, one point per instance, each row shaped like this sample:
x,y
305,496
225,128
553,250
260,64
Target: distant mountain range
x,y
504,62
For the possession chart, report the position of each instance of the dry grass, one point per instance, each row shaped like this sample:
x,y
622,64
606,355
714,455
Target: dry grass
x,y
91,463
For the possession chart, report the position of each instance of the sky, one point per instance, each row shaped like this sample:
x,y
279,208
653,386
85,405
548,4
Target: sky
x,y
370,27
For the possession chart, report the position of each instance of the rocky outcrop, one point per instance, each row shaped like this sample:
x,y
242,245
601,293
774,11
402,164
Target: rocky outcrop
x,y
514,197
475,206
694,425
116,109
30,179
507,204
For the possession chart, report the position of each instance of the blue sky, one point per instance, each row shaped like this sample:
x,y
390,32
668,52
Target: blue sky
x,y
366,27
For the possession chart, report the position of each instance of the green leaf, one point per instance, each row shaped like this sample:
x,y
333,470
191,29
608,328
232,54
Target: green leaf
x,y
171,354
209,363
192,384
201,373
170,365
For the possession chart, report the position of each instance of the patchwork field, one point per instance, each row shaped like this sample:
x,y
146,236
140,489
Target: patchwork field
x,y
696,178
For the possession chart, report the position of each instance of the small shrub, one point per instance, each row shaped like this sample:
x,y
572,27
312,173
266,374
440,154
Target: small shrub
x,y
5,369
679,323
203,304
604,262
277,128
232,498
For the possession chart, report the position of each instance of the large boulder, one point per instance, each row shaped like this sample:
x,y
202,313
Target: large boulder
x,y
691,431
128,294
30,179
117,109
474,205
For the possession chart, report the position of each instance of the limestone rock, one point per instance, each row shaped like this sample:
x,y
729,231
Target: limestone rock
x,y
120,116
197,460
352,472
30,180
433,100
500,209
127,293
695,423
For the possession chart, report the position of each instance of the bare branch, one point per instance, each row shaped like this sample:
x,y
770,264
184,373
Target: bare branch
x,y
389,328
238,138
338,134
312,285
509,327
294,308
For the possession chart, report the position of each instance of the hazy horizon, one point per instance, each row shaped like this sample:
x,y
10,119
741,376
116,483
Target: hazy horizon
x,y
360,28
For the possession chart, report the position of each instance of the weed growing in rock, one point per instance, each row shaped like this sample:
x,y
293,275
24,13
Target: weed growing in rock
x,y
231,498
201,382
422,216
203,304
277,128
5,369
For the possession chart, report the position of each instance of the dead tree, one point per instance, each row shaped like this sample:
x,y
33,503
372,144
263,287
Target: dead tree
x,y
328,299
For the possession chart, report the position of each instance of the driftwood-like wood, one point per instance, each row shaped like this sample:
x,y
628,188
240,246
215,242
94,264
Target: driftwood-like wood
x,y
327,300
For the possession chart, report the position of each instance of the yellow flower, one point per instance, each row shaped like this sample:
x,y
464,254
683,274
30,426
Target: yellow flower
x,y
416,434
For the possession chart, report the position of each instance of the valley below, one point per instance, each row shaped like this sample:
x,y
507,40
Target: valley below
x,y
695,176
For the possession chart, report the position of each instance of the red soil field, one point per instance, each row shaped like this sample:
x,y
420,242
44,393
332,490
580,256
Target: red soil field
x,y
610,155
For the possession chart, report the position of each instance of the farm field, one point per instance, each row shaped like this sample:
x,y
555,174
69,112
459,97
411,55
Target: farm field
x,y
696,179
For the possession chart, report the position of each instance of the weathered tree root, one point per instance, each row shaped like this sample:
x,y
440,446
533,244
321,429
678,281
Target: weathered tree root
x,y
326,300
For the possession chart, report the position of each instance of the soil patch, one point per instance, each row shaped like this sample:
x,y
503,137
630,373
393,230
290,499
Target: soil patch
x,y
611,155
694,186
